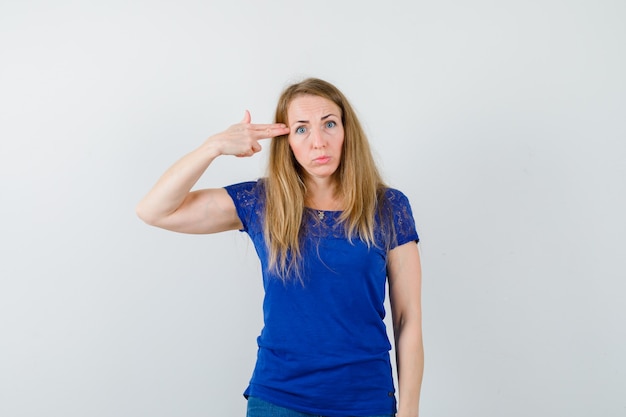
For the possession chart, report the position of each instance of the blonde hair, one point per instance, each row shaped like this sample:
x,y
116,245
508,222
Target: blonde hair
x,y
357,180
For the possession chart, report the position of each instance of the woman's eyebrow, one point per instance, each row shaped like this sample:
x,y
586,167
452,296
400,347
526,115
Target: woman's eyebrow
x,y
306,121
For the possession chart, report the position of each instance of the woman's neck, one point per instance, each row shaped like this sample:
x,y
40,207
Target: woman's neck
x,y
322,196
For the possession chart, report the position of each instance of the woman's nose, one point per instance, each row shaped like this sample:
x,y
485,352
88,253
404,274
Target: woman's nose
x,y
318,140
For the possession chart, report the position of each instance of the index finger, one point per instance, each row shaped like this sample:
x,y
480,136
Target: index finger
x,y
268,126
267,131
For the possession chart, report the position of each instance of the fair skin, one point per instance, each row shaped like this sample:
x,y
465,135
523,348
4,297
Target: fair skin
x,y
405,282
316,138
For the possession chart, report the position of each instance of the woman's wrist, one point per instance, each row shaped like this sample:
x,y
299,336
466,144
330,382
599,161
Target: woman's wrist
x,y
211,147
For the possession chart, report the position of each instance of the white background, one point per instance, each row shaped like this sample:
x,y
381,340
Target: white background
x,y
503,122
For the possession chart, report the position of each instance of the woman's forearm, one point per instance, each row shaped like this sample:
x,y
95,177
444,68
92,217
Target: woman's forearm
x,y
410,366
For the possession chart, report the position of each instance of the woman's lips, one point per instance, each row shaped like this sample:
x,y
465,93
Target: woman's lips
x,y
322,159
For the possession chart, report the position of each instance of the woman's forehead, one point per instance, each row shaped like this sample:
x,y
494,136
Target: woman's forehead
x,y
312,107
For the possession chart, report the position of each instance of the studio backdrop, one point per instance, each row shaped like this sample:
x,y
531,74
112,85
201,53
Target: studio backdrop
x,y
502,121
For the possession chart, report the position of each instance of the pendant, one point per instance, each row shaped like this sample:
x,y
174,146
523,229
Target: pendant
x,y
320,214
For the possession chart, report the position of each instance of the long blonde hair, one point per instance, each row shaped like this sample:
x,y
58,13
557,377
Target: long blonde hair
x,y
358,182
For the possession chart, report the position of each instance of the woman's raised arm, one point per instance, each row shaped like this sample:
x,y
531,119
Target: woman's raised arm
x,y
171,204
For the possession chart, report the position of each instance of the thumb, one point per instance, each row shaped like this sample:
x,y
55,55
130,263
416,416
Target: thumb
x,y
246,117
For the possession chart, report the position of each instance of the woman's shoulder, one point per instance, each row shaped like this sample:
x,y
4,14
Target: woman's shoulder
x,y
397,206
247,191
390,191
248,185
396,203
394,196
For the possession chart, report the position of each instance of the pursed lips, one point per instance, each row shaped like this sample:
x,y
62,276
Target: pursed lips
x,y
322,159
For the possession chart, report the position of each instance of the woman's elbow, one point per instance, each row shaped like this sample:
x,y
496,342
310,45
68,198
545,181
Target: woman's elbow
x,y
146,215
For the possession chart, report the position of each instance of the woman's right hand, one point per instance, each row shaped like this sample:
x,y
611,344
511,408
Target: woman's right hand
x,y
242,139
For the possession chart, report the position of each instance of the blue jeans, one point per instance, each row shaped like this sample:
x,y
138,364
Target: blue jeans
x,y
260,408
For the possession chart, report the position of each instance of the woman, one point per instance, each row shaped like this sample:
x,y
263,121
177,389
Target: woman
x,y
329,234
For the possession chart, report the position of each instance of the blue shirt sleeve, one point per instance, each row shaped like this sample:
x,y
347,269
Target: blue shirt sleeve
x,y
247,197
403,221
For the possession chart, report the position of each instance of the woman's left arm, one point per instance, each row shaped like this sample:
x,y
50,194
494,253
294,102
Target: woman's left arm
x,y
405,282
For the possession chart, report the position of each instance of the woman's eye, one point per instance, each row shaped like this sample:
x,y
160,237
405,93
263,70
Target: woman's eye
x,y
331,124
300,130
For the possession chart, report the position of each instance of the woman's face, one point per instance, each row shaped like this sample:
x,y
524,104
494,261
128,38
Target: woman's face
x,y
316,135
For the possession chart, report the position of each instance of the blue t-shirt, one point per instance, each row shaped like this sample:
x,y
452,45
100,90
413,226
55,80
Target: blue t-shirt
x,y
324,348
